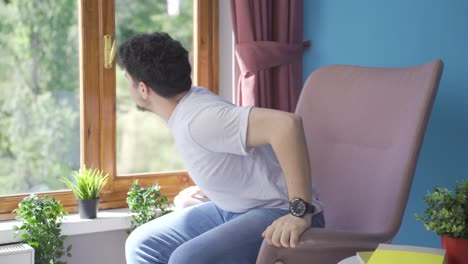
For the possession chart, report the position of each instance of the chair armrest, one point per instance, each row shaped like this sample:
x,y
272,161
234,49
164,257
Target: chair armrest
x,y
322,246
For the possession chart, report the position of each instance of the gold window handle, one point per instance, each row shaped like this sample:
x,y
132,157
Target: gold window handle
x,y
109,51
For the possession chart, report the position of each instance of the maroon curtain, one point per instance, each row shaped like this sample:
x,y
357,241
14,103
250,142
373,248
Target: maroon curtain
x,y
268,44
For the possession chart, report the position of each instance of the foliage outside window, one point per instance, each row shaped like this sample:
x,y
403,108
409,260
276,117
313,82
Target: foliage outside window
x,y
39,103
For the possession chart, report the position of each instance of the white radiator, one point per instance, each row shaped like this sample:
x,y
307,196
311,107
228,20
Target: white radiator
x,y
16,254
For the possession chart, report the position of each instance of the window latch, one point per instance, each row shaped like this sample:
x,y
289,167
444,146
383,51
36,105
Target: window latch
x,y
109,51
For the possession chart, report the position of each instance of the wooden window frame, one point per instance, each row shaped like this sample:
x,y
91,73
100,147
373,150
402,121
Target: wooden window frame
x,y
98,103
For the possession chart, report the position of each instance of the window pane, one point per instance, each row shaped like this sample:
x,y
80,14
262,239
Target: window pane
x,y
39,94
144,143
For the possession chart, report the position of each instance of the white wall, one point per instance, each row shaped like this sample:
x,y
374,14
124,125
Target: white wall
x,y
109,247
98,248
226,54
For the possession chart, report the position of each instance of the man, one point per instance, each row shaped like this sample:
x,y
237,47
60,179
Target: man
x,y
252,164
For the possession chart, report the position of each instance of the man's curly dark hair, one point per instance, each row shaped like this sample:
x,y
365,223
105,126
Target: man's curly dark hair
x,y
157,60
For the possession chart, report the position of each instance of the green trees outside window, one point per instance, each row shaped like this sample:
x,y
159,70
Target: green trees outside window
x,y
39,92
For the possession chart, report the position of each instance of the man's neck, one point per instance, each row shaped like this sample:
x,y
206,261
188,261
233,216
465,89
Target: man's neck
x,y
164,107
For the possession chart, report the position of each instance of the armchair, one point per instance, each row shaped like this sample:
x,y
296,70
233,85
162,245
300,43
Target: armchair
x,y
364,128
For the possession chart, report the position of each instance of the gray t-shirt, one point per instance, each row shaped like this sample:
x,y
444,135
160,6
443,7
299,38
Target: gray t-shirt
x,y
211,134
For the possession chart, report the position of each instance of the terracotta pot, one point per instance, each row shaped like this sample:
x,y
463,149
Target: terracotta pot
x,y
456,250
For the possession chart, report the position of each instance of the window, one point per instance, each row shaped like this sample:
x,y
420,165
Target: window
x,y
144,143
99,100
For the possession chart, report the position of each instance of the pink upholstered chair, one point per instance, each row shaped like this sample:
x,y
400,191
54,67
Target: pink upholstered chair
x,y
364,129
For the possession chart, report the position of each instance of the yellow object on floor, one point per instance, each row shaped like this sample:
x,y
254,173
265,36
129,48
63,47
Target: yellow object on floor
x,y
397,254
364,256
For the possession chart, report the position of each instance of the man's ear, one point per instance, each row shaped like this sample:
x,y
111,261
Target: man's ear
x,y
143,90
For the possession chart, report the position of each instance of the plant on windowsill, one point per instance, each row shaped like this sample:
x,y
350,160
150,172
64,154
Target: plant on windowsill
x,y
87,187
41,220
447,215
145,204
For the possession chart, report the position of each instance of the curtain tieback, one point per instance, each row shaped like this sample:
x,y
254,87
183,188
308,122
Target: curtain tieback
x,y
260,55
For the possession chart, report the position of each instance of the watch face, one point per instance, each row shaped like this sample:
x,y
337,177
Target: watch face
x,y
297,207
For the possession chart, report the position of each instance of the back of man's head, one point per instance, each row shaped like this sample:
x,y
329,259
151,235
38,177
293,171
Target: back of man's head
x,y
157,60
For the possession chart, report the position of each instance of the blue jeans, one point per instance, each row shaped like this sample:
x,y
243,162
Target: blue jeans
x,y
203,234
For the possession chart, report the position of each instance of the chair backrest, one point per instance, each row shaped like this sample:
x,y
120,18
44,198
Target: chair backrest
x,y
364,129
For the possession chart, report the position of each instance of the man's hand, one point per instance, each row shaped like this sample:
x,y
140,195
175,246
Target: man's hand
x,y
193,192
189,196
286,230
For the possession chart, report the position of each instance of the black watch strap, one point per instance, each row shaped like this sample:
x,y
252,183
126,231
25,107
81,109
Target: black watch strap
x,y
310,208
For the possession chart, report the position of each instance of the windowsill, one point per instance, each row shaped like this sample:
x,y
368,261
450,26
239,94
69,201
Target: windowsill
x,y
107,220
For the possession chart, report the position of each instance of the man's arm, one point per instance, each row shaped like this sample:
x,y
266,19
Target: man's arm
x,y
285,133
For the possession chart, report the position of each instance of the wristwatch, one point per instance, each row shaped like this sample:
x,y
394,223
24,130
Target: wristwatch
x,y
299,207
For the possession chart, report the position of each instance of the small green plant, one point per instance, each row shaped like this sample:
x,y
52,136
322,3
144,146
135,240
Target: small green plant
x,y
89,183
145,204
447,211
41,220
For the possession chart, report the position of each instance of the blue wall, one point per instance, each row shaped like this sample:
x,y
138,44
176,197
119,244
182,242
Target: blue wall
x,y
403,33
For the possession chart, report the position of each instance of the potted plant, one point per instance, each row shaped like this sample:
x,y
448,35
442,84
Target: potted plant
x,y
87,187
447,215
146,204
41,220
